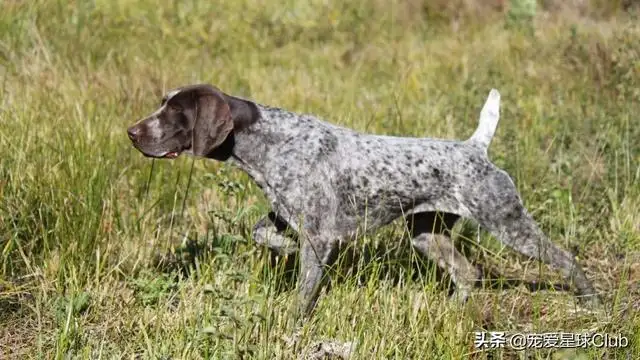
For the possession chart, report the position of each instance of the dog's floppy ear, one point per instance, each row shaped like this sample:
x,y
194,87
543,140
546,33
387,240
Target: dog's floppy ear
x,y
213,121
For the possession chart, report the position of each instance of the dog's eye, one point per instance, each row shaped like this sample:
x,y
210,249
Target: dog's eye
x,y
174,107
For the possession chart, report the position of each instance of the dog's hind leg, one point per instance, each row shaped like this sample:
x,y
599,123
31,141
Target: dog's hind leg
x,y
500,211
431,237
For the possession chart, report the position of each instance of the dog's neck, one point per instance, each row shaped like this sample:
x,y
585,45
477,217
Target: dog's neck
x,y
251,147
273,127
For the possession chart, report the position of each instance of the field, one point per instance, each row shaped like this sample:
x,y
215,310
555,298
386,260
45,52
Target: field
x,y
108,254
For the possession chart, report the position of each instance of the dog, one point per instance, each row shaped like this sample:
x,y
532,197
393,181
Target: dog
x,y
327,183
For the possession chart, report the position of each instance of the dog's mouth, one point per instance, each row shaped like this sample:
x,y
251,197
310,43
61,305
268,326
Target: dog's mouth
x,y
164,155
171,155
158,154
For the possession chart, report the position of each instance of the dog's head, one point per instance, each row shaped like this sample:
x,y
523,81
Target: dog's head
x,y
195,119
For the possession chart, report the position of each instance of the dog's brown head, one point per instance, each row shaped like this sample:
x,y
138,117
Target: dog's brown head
x,y
194,119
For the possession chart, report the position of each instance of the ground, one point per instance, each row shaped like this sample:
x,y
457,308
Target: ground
x,y
107,254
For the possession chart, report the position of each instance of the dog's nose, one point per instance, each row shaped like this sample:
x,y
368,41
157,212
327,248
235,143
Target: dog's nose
x,y
133,132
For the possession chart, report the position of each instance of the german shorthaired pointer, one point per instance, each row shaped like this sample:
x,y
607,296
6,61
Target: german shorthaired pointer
x,y
328,183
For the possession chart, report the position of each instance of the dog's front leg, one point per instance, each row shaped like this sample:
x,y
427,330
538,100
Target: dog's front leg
x,y
274,233
316,254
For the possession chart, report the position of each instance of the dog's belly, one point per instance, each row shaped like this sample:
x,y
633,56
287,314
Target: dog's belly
x,y
376,206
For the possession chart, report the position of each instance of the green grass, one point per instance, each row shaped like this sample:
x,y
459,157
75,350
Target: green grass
x,y
107,254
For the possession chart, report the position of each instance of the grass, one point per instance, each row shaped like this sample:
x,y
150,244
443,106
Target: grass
x,y
107,254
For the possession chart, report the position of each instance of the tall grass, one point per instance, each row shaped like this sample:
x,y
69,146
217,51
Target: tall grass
x,y
107,254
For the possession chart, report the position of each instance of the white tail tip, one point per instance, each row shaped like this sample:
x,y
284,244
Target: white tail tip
x,y
489,116
492,105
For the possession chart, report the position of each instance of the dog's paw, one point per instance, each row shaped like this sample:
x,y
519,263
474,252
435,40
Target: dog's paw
x,y
592,301
329,350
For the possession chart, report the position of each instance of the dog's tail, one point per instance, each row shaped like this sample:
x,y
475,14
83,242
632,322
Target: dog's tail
x,y
489,116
